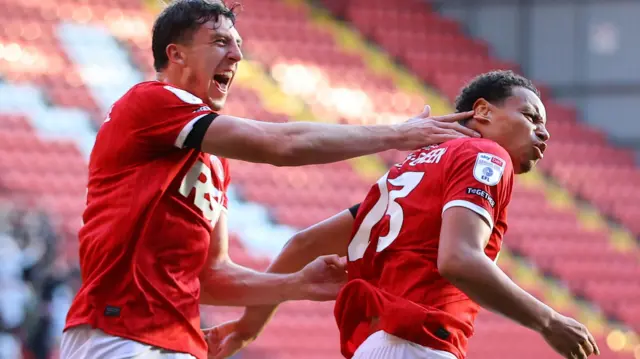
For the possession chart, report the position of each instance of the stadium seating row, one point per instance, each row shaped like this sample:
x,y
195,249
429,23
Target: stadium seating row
x,y
452,58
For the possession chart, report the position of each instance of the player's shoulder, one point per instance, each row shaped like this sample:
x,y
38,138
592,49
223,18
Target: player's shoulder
x,y
472,147
156,90
468,144
489,160
138,92
145,88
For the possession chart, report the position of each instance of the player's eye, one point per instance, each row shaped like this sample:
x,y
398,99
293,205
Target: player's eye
x,y
530,117
222,42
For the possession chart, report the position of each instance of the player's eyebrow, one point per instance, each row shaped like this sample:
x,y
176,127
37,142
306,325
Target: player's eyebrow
x,y
218,34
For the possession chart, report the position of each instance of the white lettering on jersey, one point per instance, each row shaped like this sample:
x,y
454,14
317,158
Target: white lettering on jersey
x,y
429,157
211,206
184,96
386,205
488,169
217,167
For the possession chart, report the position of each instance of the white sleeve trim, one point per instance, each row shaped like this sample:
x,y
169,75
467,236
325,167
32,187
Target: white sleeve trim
x,y
472,206
185,131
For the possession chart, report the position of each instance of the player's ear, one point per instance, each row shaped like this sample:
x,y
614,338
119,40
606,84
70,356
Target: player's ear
x,y
482,111
174,54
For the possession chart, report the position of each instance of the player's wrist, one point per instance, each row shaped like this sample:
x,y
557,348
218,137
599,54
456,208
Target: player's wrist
x,y
546,321
394,137
249,328
295,287
302,288
254,319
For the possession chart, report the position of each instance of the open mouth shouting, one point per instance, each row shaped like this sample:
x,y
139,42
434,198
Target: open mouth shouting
x,y
222,80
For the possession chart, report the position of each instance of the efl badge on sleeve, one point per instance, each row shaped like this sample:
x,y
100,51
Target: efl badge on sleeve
x,y
488,169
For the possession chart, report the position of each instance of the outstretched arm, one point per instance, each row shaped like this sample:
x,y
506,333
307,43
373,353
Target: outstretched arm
x,y
325,238
330,236
226,283
304,143
461,260
168,118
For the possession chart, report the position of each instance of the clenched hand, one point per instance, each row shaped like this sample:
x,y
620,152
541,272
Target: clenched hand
x,y
322,279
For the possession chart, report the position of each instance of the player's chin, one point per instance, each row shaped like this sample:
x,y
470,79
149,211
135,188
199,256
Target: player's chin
x,y
526,166
217,101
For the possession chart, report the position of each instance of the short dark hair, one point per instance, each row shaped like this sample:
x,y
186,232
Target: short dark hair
x,y
180,19
494,86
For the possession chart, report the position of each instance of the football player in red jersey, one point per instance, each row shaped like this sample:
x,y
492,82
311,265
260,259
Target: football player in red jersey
x,y
154,241
422,246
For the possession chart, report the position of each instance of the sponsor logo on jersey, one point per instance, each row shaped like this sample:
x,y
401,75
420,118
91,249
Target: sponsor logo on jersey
x,y
203,109
199,181
498,161
483,194
488,169
111,311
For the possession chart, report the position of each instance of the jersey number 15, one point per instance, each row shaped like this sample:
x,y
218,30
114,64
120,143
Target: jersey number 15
x,y
386,205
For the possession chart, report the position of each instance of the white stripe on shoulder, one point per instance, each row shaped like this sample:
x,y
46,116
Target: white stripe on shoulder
x,y
185,131
472,206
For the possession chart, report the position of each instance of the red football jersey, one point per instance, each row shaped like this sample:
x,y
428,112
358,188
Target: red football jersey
x,y
151,207
393,274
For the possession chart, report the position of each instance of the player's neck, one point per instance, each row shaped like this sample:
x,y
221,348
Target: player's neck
x,y
472,125
172,78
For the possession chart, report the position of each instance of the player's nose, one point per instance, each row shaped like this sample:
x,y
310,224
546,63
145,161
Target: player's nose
x,y
543,134
235,53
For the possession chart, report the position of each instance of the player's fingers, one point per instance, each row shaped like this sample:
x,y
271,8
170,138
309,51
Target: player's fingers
x,y
223,354
442,131
579,353
226,349
587,347
458,128
335,260
454,117
212,335
592,340
343,261
446,136
426,112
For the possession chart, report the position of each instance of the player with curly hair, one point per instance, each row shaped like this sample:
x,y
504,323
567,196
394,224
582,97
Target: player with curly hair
x,y
423,244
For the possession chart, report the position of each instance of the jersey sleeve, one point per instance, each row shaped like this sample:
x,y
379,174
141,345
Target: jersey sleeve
x,y
479,177
166,115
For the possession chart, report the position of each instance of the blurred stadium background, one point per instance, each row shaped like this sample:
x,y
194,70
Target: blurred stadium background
x,y
574,222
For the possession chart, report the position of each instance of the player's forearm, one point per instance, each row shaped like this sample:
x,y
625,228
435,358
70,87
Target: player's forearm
x,y
479,278
330,236
295,143
229,284
297,253
317,143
